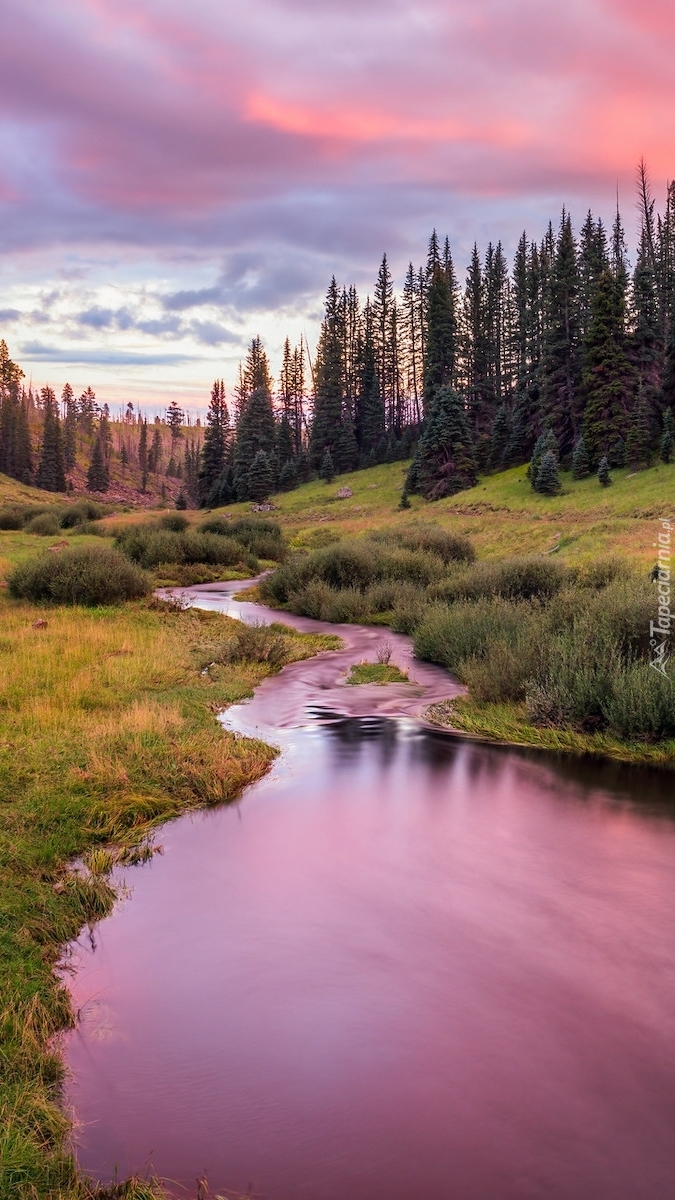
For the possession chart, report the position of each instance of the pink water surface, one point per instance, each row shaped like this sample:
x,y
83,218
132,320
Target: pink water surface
x,y
403,966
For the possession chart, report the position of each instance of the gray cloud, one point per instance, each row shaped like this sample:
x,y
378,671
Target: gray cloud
x,y
37,352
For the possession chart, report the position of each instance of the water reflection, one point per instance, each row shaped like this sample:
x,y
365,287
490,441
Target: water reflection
x,y
404,966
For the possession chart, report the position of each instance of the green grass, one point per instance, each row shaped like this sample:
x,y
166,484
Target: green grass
x,y
507,723
107,729
502,515
365,672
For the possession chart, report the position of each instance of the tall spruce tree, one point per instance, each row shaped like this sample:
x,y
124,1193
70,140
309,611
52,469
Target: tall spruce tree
x,y
668,436
215,442
639,440
97,475
439,360
581,467
51,475
69,410
256,432
445,462
143,454
606,370
328,393
561,342
260,480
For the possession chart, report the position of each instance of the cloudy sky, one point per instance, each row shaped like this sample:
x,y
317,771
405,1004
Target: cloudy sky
x,y
175,178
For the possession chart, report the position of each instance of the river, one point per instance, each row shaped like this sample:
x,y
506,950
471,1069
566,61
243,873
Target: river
x,y
404,966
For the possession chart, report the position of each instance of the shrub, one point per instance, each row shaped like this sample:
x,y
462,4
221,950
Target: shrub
x,y
641,704
46,525
601,571
574,680
150,546
501,674
175,521
263,538
82,575
15,516
81,513
11,518
254,643
512,578
450,636
450,547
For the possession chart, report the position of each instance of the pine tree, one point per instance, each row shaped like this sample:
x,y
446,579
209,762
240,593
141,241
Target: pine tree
x,y
617,453
547,482
666,448
181,500
69,426
517,446
143,454
327,413
175,419
327,469
646,345
500,438
638,442
288,476
440,351
561,341
260,480
256,431
51,474
545,443
97,475
444,462
606,371
87,410
604,477
215,441
581,467
285,447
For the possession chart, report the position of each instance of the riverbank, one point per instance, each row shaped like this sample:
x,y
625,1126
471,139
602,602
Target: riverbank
x,y
107,729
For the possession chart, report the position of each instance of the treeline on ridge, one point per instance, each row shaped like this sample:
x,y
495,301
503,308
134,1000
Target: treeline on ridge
x,y
566,357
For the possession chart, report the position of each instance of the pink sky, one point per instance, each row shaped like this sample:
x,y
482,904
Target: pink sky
x,y
175,178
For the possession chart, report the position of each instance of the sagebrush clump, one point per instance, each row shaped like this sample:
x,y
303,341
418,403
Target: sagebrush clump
x,y
83,575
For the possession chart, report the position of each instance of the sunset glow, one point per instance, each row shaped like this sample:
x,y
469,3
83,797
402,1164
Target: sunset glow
x,y
177,179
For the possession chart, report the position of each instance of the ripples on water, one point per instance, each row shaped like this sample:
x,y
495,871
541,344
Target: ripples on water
x,y
403,966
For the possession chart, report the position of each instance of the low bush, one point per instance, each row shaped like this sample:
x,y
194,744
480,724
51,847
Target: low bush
x,y
83,575
254,643
11,517
81,513
641,704
601,571
450,636
17,516
574,680
263,538
450,547
175,521
512,578
150,546
46,525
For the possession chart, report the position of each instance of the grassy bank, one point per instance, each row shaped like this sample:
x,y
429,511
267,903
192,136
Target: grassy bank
x,y
107,728
501,515
554,653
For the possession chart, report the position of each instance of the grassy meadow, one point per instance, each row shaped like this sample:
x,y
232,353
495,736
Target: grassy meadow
x,y
107,713
107,729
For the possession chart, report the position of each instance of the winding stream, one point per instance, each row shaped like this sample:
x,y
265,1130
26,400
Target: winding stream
x,y
404,966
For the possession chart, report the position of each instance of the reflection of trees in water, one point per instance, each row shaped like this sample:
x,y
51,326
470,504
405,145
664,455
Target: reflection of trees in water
x,y
351,735
575,779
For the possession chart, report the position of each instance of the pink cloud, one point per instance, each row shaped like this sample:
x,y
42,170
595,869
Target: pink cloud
x,y
147,106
